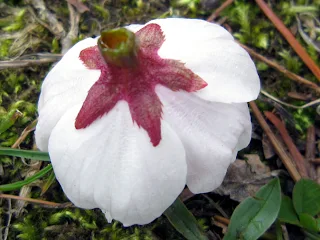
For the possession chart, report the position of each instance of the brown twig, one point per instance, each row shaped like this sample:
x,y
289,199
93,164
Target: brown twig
x,y
300,96
217,12
316,161
53,25
296,155
25,190
318,170
38,201
276,143
216,206
290,38
24,134
221,219
81,8
221,225
309,104
285,233
74,19
281,69
25,63
310,151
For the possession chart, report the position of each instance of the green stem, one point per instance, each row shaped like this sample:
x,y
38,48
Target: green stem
x,y
118,47
279,230
312,236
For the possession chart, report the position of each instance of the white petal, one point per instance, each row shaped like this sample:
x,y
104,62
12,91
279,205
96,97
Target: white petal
x,y
112,165
66,85
211,133
210,51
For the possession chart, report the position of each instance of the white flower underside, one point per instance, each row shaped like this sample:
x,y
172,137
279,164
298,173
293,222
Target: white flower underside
x,y
112,165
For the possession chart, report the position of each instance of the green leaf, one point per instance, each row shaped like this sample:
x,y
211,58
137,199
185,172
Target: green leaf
x,y
287,212
306,197
35,155
308,222
256,214
183,221
20,184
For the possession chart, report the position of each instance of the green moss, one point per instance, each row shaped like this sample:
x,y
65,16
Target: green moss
x,y
75,223
252,29
261,66
192,5
203,224
85,221
55,47
304,118
104,13
292,63
28,229
263,106
17,22
313,53
4,48
289,11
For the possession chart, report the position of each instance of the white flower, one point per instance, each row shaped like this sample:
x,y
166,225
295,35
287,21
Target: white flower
x,y
128,140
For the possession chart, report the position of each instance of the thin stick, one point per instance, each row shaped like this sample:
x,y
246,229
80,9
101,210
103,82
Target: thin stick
x,y
285,233
281,69
316,161
290,105
290,38
25,133
217,12
25,63
296,155
74,19
216,206
276,143
54,25
223,220
37,201
310,151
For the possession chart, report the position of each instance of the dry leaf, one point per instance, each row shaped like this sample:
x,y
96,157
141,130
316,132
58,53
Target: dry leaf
x,y
268,149
245,178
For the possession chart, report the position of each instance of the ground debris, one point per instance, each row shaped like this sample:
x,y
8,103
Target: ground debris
x,y
244,178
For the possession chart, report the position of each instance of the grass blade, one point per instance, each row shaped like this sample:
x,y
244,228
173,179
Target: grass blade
x,y
34,155
183,221
20,184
